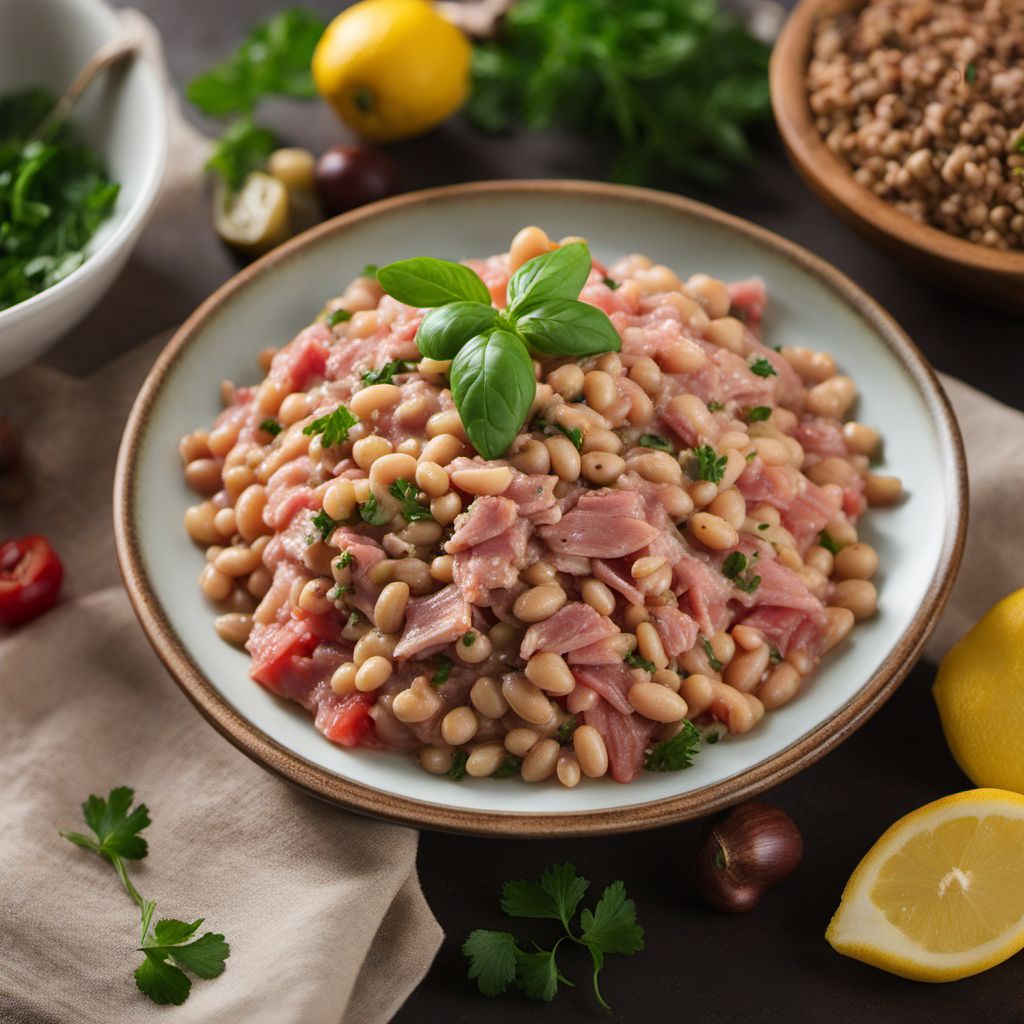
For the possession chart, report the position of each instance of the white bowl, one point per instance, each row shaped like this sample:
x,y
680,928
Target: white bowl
x,y
123,116
810,303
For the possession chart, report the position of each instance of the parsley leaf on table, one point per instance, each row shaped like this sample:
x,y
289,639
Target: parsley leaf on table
x,y
167,951
496,960
273,61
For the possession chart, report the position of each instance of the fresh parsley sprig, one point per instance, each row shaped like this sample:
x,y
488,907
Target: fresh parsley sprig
x,y
405,491
274,60
707,464
497,961
332,428
677,753
167,951
762,367
491,374
385,374
655,441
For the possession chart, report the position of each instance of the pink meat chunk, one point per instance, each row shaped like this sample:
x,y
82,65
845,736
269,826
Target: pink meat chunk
x,y
626,737
485,518
616,576
676,629
601,526
367,553
574,626
433,621
749,298
601,652
492,565
612,682
704,591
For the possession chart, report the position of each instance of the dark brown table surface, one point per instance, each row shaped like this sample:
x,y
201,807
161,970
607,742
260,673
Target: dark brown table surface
x,y
772,965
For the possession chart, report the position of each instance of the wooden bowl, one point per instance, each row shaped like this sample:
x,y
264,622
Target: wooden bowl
x,y
989,275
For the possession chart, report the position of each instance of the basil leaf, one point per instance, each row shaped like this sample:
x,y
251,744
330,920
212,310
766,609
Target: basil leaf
x,y
568,327
493,386
559,274
444,330
425,281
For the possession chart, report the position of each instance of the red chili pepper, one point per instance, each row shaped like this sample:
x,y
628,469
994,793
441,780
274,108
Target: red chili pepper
x,y
30,578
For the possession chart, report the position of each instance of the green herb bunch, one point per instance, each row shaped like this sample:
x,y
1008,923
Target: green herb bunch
x,y
675,85
491,374
272,61
169,947
496,960
54,194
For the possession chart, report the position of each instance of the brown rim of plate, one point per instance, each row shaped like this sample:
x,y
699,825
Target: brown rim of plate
x,y
831,179
358,797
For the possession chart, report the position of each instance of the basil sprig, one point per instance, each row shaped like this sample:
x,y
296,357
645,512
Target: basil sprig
x,y
491,375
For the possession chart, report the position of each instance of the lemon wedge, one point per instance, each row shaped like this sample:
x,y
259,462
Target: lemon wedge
x,y
939,896
980,695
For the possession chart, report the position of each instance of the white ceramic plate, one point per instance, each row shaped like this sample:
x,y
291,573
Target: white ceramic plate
x,y
810,304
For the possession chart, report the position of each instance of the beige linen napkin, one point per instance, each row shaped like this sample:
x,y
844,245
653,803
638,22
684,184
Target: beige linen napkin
x,y
322,908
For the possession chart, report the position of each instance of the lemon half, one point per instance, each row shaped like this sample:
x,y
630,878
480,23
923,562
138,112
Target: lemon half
x,y
940,896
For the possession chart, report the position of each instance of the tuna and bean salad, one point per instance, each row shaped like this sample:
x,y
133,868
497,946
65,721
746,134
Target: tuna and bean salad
x,y
532,515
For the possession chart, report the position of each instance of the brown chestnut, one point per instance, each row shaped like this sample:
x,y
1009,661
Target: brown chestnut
x,y
742,854
350,176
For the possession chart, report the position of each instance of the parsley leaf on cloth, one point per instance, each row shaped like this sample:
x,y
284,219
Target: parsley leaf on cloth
x,y
169,947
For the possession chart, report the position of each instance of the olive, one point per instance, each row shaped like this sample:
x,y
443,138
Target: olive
x,y
350,176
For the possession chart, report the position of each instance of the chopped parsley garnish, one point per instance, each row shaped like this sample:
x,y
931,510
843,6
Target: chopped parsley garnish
x,y
574,434
715,406
613,284
655,441
344,560
710,465
333,427
496,960
764,526
763,368
371,512
757,413
971,73
510,765
677,753
468,638
337,592
338,316
385,374
442,672
775,655
566,729
826,541
635,661
324,524
272,427
354,619
541,426
405,491
734,566
457,772
716,665
169,947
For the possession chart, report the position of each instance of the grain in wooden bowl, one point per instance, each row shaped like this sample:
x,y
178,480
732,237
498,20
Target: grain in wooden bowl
x,y
962,203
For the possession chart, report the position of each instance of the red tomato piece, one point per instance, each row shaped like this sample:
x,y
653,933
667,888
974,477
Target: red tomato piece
x,y
349,722
30,579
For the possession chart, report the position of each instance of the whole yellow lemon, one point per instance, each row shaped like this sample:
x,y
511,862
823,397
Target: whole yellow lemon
x,y
980,694
392,68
